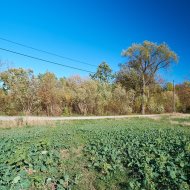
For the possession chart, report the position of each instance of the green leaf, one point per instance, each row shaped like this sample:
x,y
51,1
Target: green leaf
x,y
16,179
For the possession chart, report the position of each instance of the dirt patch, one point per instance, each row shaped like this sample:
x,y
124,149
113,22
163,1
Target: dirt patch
x,y
155,117
65,153
77,151
73,152
88,179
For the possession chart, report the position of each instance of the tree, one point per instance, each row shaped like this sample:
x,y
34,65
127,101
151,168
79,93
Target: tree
x,y
128,78
88,96
121,101
49,94
103,73
168,86
183,92
146,59
20,85
166,99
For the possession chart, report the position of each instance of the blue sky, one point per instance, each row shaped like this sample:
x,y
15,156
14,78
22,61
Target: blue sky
x,y
93,31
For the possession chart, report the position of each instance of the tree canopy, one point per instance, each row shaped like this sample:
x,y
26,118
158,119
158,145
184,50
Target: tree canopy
x,y
103,73
134,88
146,60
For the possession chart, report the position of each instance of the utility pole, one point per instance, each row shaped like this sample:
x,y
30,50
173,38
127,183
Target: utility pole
x,y
173,97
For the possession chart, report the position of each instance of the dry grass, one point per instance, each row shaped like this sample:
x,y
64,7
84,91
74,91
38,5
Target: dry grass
x,y
65,153
20,122
51,121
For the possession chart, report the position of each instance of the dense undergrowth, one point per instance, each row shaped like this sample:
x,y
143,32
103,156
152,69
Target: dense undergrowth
x,y
131,154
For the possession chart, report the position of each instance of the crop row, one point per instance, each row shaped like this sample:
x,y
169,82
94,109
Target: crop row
x,y
151,158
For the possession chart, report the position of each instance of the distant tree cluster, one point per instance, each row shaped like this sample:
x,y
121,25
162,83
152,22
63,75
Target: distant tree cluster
x,y
133,89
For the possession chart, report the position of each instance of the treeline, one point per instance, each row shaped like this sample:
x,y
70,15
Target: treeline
x,y
133,89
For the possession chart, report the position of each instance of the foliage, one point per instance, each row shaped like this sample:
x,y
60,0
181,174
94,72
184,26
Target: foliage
x,y
169,86
153,158
24,93
21,87
114,154
103,73
88,96
31,159
166,99
128,78
155,107
122,101
49,94
183,92
134,88
145,60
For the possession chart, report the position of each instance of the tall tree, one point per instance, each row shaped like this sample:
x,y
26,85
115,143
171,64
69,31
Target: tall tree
x,y
103,73
146,59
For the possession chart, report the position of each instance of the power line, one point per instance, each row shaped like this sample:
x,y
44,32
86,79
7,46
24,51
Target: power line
x,y
44,60
47,52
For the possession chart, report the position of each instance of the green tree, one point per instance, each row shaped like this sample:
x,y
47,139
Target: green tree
x,y
128,78
103,73
146,59
168,86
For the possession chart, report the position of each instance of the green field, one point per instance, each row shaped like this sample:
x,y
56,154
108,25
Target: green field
x,y
136,154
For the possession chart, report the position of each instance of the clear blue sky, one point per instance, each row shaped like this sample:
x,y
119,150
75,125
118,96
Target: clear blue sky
x,y
94,31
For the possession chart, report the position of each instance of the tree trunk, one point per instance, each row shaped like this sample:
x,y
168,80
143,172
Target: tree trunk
x,y
143,97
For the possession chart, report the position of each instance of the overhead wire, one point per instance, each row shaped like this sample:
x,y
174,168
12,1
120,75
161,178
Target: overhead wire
x,y
47,52
44,60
